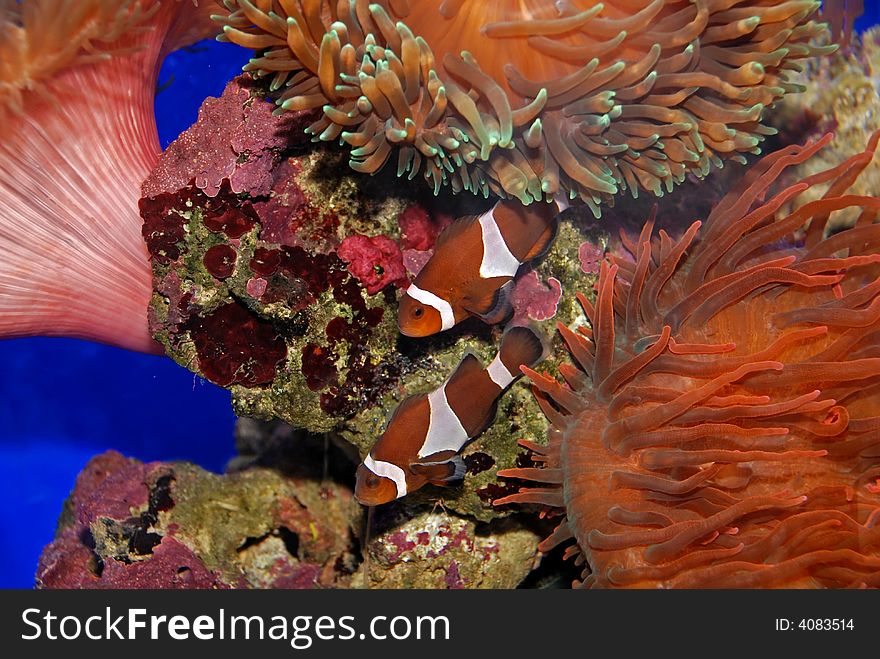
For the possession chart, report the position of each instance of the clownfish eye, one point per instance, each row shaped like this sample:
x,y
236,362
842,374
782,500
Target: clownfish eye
x,y
372,481
418,311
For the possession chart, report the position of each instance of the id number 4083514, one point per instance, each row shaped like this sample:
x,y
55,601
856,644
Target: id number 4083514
x,y
815,624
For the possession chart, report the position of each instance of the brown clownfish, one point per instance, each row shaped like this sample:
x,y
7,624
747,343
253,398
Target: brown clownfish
x,y
473,265
424,438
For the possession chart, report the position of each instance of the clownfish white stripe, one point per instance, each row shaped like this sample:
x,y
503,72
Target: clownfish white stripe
x,y
499,374
445,432
497,259
447,315
389,471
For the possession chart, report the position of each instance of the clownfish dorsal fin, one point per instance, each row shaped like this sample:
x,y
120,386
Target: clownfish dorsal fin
x,y
406,417
403,409
545,241
468,364
454,230
441,471
493,306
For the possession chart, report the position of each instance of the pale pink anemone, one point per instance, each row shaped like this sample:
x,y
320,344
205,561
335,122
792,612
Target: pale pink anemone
x,y
77,138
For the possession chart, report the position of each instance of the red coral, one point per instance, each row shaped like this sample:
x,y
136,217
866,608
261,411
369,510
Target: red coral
x,y
419,229
375,261
219,216
265,261
162,231
236,347
318,366
220,260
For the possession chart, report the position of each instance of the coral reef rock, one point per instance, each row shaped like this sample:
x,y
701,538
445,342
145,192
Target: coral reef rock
x,y
284,517
276,274
433,549
161,525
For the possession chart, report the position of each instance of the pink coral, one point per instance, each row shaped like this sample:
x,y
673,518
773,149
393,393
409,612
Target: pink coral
x,y
533,298
590,256
414,260
374,261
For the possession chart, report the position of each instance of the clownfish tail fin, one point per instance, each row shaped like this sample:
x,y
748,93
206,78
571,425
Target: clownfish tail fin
x,y
520,346
458,469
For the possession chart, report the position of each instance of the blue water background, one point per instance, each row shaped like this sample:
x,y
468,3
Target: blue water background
x,y
63,401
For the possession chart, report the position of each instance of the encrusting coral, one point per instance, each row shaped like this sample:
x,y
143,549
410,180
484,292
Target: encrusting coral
x,y
77,137
721,429
532,99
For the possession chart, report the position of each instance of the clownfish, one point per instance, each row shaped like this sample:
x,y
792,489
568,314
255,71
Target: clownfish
x,y
422,442
473,266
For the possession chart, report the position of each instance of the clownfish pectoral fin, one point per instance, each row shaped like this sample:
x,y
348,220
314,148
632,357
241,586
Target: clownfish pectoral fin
x,y
441,472
545,242
494,306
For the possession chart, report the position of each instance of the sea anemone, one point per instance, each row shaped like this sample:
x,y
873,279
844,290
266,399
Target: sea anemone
x,y
530,98
841,16
722,428
77,138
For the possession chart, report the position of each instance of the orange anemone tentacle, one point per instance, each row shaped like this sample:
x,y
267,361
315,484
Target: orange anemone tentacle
x,y
753,468
531,98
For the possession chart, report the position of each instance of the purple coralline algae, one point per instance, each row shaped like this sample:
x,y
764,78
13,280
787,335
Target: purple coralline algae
x,y
159,525
108,539
130,524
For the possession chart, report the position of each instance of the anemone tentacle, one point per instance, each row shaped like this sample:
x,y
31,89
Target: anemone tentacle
x,y
528,98
721,428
